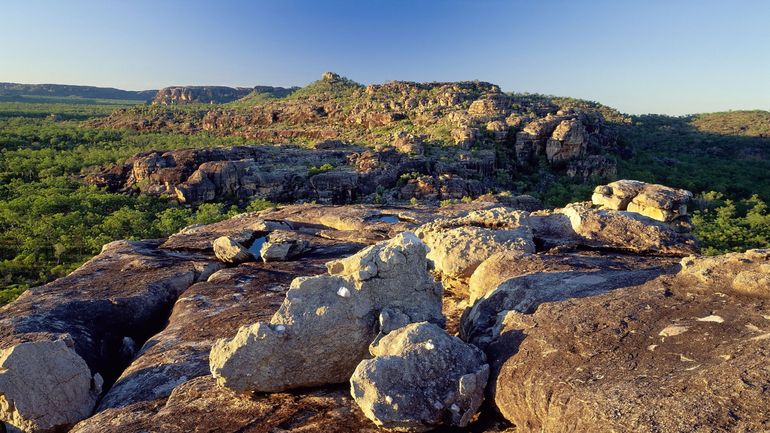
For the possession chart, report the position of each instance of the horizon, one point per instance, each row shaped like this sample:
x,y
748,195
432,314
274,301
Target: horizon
x,y
638,57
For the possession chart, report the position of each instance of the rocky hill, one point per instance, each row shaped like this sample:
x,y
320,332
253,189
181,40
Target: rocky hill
x,y
63,90
400,139
215,94
485,317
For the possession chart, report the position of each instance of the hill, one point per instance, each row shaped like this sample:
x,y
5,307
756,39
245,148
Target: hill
x,y
16,91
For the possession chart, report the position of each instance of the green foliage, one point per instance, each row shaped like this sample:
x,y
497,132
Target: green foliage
x,y
724,225
446,202
258,204
413,201
312,171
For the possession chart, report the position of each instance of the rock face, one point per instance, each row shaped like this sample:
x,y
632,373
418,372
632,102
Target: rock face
x,y
230,251
325,325
420,378
66,394
674,354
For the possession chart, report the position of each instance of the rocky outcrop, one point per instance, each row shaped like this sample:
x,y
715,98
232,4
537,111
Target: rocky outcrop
x,y
214,94
658,202
459,245
420,378
673,354
579,224
325,325
61,341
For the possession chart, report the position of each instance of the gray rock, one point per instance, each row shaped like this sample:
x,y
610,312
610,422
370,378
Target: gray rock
x,y
230,251
658,202
45,385
282,245
326,323
420,378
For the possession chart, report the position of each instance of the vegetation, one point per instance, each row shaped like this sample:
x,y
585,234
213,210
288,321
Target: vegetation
x,y
724,225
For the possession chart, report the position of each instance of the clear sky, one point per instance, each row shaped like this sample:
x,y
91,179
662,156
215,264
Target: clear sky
x,y
640,56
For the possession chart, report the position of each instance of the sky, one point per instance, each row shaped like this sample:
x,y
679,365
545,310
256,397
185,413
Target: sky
x,y
639,56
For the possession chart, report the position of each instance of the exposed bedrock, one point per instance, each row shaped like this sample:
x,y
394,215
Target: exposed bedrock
x,y
681,353
81,330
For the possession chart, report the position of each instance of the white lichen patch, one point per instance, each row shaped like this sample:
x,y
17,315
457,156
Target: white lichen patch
x,y
343,292
652,347
388,399
429,346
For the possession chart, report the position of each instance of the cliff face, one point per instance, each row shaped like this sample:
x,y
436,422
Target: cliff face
x,y
588,319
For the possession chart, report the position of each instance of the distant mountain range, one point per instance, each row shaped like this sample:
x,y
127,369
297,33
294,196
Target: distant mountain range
x,y
65,90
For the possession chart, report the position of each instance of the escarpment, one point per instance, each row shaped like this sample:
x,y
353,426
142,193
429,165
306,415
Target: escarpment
x,y
481,316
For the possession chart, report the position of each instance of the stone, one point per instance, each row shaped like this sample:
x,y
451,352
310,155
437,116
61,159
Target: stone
x,y
658,202
459,245
576,277
230,251
672,355
567,142
420,378
579,224
282,245
45,386
616,195
739,273
326,323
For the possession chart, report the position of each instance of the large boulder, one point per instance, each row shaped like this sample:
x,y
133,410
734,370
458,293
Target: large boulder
x,y
325,325
676,354
459,245
658,202
45,385
579,224
420,378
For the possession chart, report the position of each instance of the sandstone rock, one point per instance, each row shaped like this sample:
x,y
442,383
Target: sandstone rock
x,y
592,166
568,141
658,202
525,293
282,245
459,245
740,273
230,251
661,202
420,378
326,323
578,224
44,386
672,355
408,143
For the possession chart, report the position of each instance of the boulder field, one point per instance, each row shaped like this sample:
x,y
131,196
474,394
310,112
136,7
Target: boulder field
x,y
480,317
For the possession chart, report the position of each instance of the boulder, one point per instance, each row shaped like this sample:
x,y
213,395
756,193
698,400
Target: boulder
x,y
740,273
282,245
230,251
568,141
459,245
658,202
420,378
673,355
326,323
45,385
579,224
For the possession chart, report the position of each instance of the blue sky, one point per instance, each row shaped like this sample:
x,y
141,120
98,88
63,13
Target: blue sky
x,y
640,56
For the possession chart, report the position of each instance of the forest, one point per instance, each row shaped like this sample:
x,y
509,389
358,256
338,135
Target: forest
x,y
51,221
